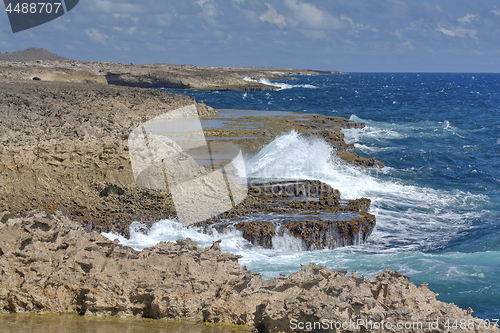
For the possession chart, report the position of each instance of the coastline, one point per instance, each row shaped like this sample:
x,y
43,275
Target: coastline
x,y
105,154
152,76
52,265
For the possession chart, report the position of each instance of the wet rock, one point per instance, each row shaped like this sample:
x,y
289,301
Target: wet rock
x,y
258,233
362,162
309,210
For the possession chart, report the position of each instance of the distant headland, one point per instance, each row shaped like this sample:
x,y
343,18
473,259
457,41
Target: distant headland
x,y
40,64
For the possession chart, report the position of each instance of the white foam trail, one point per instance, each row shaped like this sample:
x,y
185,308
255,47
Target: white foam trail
x,y
280,85
381,133
171,230
408,217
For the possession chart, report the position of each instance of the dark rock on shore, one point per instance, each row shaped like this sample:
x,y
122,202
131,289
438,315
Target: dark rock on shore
x,y
308,210
144,81
362,162
50,265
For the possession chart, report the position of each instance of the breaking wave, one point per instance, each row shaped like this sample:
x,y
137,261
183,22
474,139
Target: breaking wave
x,y
280,85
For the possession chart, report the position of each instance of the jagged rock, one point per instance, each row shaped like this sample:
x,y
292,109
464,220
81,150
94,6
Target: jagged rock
x,y
362,162
309,210
64,147
49,264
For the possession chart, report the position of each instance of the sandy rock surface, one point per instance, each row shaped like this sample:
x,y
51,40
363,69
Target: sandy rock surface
x,y
149,76
64,146
50,265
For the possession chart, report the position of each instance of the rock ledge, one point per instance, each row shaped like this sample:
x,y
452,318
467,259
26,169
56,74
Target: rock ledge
x,y
50,265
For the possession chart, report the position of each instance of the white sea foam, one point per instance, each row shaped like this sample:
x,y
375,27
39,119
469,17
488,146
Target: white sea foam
x,y
380,133
409,218
171,230
280,85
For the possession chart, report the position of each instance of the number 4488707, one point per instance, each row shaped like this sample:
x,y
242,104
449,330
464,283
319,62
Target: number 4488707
x,y
472,324
34,8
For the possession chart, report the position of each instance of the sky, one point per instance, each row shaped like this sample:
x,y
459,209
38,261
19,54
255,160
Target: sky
x,y
343,35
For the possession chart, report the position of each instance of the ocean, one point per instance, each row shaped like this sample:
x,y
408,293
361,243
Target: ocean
x,y
437,201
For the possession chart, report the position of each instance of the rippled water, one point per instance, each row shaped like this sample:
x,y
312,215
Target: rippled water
x,y
82,324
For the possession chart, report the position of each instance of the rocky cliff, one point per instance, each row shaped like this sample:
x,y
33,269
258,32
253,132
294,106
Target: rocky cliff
x,y
38,64
49,264
64,146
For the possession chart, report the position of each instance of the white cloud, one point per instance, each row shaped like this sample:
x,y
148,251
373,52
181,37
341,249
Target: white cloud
x,y
496,11
96,36
165,19
118,16
273,17
467,18
459,31
308,16
407,44
398,33
250,14
209,11
356,27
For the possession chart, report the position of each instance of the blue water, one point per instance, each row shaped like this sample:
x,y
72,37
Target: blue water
x,y
437,201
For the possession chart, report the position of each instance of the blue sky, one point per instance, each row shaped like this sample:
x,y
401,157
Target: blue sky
x,y
345,35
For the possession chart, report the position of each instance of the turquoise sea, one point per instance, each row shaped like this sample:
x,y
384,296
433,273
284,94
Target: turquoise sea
x,y
437,201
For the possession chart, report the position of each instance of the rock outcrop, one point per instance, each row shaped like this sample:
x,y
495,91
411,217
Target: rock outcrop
x,y
53,69
308,210
64,147
48,264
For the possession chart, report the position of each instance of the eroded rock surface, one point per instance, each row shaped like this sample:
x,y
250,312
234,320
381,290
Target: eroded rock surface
x,y
148,76
308,210
48,264
65,147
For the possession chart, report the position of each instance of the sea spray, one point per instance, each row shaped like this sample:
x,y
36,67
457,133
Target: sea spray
x,y
408,217
437,201
280,85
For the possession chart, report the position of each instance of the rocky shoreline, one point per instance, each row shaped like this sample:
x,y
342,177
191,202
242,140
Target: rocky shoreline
x,y
66,176
49,264
150,76
64,147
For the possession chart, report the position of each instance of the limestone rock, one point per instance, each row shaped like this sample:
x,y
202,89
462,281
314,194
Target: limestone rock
x,y
49,264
